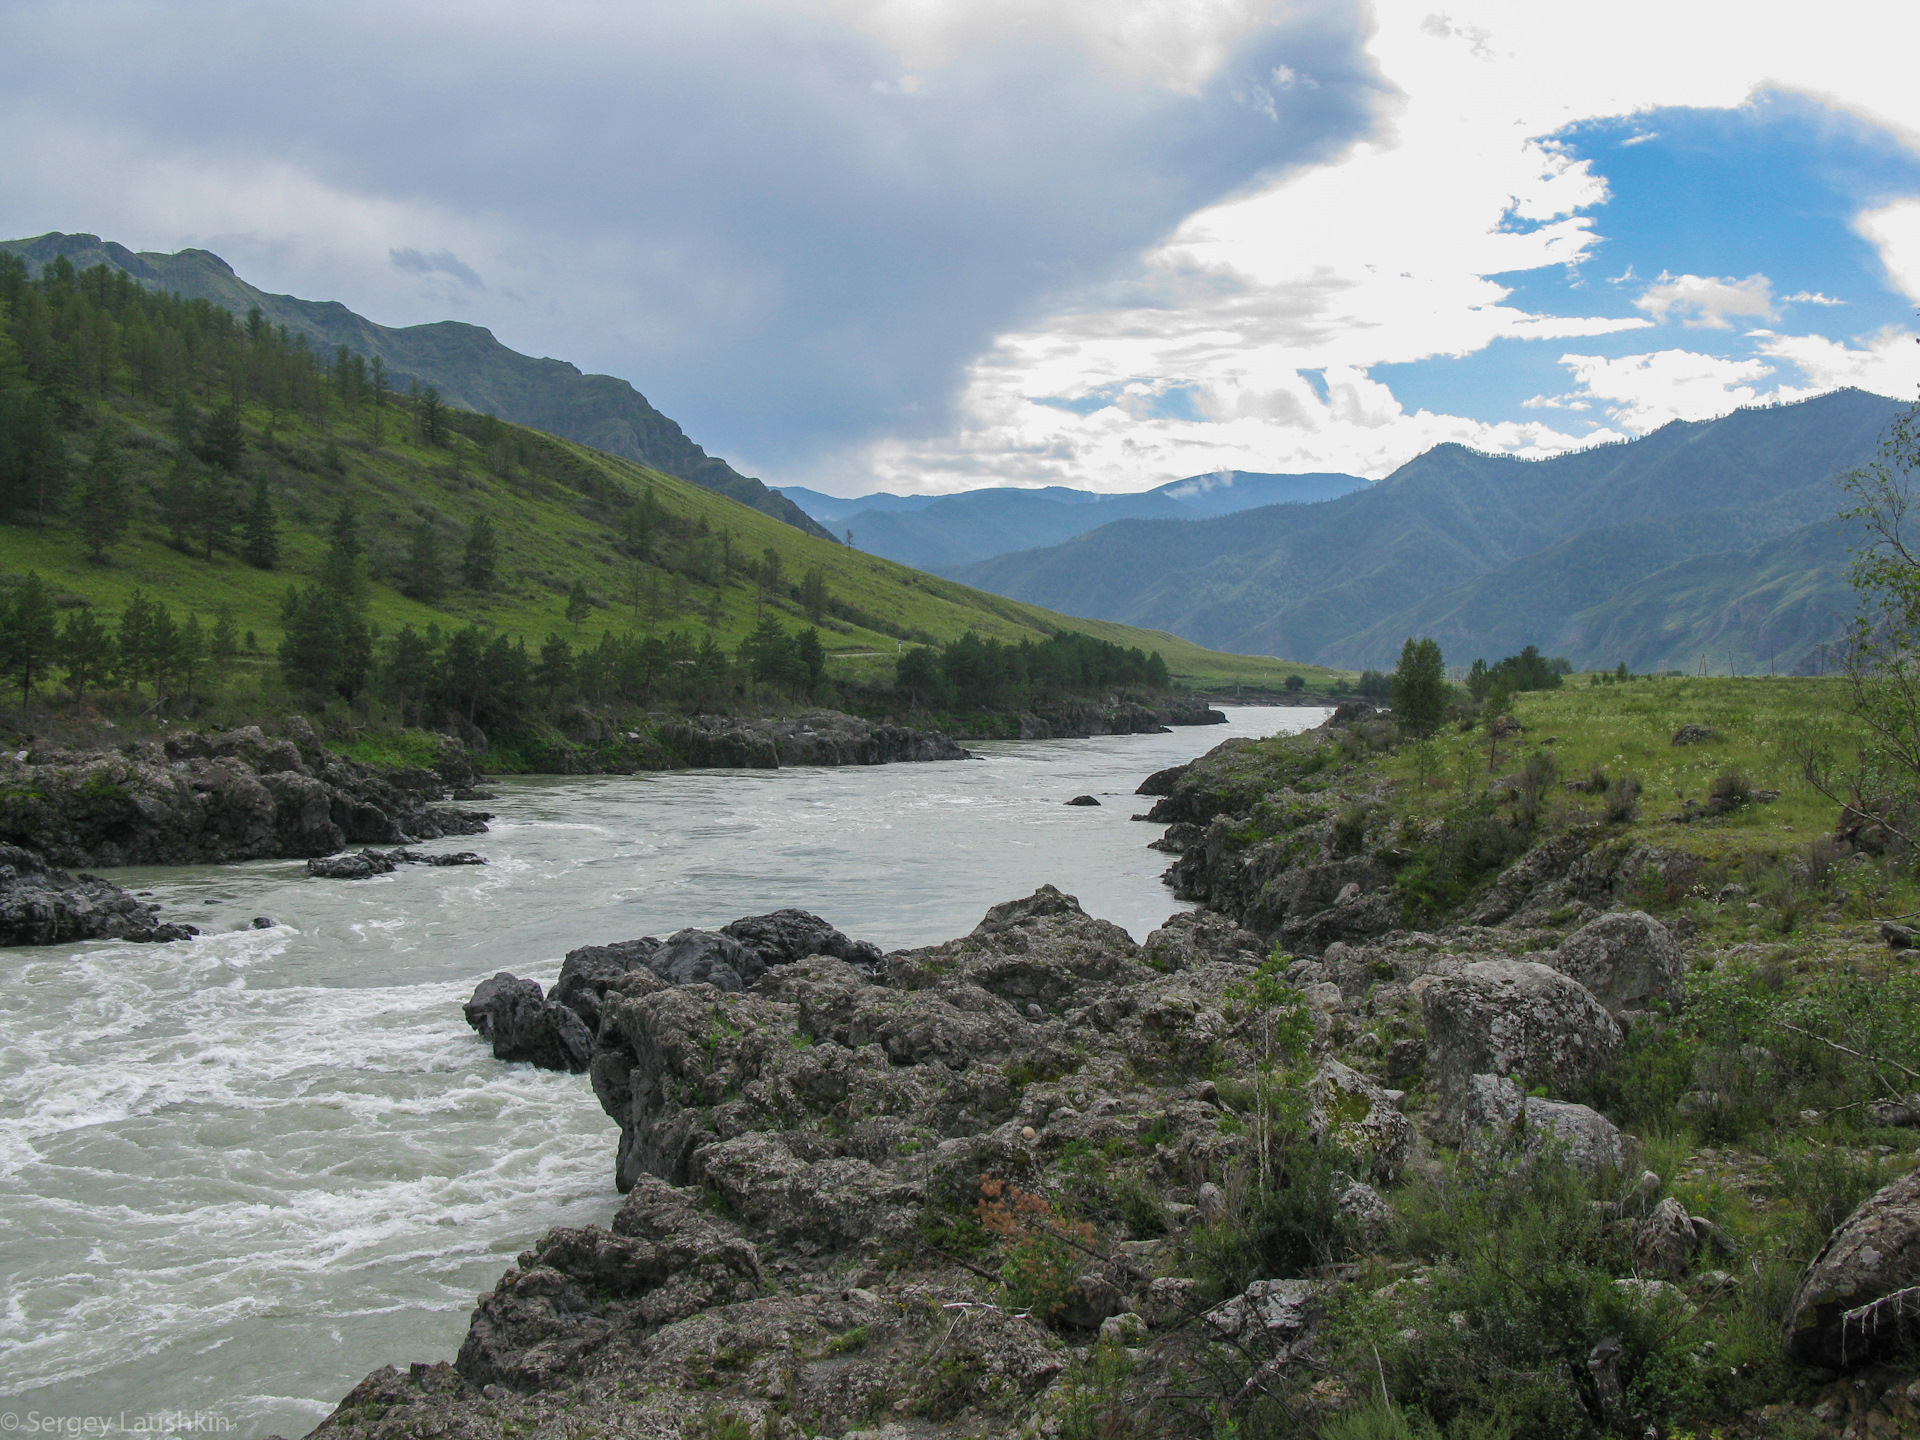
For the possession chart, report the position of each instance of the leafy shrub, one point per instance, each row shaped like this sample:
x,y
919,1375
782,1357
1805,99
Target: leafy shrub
x,y
1041,1264
1731,789
1623,799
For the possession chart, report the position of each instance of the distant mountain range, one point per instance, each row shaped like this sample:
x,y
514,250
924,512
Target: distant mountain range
x,y
1709,542
941,532
464,363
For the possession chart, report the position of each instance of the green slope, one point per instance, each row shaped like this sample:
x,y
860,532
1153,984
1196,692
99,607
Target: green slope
x,y
557,513
465,363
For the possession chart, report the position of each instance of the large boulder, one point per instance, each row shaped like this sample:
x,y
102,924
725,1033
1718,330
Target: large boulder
x,y
590,971
1042,950
579,1292
784,936
40,905
522,1024
1355,1114
1498,1110
1626,959
1199,937
1514,1017
1860,1298
703,957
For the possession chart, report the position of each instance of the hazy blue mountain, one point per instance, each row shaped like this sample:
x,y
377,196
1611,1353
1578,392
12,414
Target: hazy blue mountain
x,y
940,532
463,362
1577,554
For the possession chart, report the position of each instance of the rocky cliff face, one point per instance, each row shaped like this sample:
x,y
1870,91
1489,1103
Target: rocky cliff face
x,y
234,795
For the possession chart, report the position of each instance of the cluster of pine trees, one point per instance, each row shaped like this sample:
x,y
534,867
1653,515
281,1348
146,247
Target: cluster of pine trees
x,y
973,673
148,646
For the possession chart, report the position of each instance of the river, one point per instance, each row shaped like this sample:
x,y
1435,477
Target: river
x,y
238,1173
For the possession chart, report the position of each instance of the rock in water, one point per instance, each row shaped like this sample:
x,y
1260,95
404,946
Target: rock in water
x,y
523,1025
1083,800
1625,959
40,905
1514,1017
1860,1298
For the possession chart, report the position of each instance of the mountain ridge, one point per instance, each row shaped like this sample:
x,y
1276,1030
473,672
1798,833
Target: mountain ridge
x,y
1345,581
942,532
470,368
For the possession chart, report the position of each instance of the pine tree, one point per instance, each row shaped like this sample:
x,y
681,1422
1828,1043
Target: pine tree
x,y
477,566
135,640
260,544
813,594
223,645
223,441
29,636
579,604
87,650
342,573
381,389
433,417
556,665
424,579
103,499
1420,687
179,499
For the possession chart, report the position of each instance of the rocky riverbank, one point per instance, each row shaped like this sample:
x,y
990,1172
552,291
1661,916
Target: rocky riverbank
x,y
194,799
1042,1180
819,737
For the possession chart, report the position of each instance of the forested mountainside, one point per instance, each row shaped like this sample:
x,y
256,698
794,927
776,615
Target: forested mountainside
x,y
940,532
1705,541
470,369
219,478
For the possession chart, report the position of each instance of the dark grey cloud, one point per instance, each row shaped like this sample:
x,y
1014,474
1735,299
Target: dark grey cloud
x,y
734,206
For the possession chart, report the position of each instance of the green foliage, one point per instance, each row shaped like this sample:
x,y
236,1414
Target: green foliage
x,y
479,564
1420,687
975,673
1529,670
29,636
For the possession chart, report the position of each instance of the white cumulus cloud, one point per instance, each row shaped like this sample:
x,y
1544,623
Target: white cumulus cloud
x,y
1706,301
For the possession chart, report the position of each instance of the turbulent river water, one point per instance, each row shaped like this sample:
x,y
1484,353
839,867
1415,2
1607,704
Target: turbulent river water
x,y
238,1173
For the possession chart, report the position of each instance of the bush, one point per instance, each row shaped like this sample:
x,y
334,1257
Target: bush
x,y
1623,799
1731,789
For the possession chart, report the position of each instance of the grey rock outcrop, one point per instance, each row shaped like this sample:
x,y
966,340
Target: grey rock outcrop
x,y
364,864
1514,1017
1196,938
521,1024
583,1291
1496,1110
1860,1298
1350,1111
42,905
198,799
819,737
1626,960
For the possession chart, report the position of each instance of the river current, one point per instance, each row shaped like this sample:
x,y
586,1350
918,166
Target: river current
x,y
237,1173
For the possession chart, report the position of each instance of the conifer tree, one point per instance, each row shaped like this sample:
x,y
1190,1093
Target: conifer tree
x,y
223,645
29,636
477,566
87,651
260,544
579,604
179,498
424,580
223,441
103,500
136,641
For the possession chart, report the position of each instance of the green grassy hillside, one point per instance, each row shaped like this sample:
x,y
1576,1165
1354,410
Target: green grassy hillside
x,y
559,511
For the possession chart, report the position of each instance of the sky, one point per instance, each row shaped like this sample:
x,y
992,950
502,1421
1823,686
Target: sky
x,y
928,245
